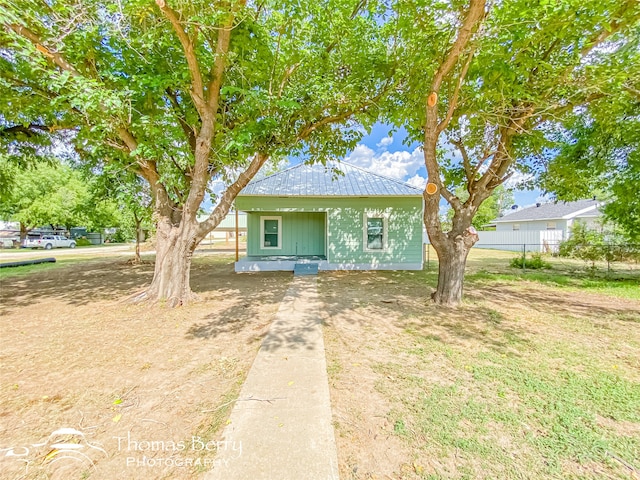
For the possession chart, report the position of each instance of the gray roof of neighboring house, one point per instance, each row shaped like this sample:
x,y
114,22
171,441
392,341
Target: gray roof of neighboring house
x,y
553,211
319,181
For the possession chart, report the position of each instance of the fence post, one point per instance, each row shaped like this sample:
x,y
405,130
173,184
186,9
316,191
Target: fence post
x,y
428,257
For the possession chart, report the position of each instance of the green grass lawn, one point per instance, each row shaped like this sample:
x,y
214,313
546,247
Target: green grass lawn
x,y
536,376
24,270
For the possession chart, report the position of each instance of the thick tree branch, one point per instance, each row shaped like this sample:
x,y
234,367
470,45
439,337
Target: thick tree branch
x,y
472,19
450,198
220,62
614,26
30,130
197,86
309,128
453,103
128,139
56,57
201,171
503,158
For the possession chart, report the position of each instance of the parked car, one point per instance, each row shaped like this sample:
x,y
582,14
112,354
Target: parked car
x,y
50,241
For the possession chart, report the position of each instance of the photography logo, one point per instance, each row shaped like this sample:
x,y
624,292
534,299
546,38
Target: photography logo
x,y
65,448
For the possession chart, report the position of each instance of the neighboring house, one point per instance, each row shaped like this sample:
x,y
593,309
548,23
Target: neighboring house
x,y
227,227
339,217
541,227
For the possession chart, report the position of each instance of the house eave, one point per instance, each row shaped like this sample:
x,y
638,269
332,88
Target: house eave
x,y
569,216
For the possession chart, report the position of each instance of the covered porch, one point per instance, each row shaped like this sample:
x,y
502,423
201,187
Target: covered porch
x,y
278,240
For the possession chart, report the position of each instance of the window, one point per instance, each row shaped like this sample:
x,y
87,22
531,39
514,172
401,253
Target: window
x,y
271,232
551,225
516,226
375,232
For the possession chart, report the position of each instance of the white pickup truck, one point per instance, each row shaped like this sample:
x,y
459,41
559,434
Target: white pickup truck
x,y
50,241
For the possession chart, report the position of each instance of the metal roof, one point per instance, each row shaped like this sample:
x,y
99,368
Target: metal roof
x,y
337,179
552,211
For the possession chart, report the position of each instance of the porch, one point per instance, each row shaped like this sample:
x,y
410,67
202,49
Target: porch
x,y
273,263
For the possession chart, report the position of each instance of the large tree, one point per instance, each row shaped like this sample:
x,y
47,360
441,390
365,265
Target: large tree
x,y
183,92
47,193
489,79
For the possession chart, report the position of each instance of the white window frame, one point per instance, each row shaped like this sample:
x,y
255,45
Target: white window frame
x,y
271,247
516,227
385,231
552,225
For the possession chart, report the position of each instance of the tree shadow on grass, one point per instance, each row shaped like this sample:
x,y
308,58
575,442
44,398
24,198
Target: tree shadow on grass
x,y
77,284
403,301
212,278
266,291
560,303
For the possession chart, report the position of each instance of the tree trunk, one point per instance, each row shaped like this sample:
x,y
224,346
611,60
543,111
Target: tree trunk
x,y
138,221
23,233
174,251
452,259
452,248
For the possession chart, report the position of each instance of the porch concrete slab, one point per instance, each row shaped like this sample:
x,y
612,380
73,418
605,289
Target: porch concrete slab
x,y
280,427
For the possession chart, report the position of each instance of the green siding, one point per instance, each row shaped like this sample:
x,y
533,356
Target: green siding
x,y
345,226
302,234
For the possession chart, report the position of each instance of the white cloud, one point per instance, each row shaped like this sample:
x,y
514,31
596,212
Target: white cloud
x,y
385,142
417,181
517,180
398,165
543,199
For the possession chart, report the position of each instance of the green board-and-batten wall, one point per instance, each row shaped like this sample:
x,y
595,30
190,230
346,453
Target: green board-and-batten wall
x,y
303,233
344,222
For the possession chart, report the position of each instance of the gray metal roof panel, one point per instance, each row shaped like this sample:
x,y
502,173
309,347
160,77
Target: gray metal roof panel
x,y
549,211
317,181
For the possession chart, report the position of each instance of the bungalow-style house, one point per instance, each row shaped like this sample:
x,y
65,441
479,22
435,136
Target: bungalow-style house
x,y
540,227
338,217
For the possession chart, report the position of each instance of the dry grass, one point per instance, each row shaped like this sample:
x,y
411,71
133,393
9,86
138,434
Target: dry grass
x,y
535,376
75,355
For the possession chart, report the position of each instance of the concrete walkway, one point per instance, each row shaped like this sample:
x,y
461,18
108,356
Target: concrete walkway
x,y
281,425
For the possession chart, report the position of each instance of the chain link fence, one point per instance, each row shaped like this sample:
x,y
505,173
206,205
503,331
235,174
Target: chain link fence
x,y
609,260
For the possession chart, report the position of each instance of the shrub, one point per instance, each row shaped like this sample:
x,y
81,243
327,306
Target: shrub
x,y
82,242
584,244
533,262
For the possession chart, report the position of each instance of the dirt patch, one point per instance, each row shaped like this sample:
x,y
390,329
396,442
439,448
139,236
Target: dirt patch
x,y
141,391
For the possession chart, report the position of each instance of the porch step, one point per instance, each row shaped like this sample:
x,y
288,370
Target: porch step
x,y
305,269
